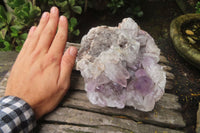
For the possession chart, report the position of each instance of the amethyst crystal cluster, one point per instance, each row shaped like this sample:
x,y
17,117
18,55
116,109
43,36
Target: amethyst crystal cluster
x,y
120,67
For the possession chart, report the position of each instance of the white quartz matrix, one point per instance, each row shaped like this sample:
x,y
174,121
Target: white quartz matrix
x,y
120,67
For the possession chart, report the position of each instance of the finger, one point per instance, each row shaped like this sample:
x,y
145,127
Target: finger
x,y
33,39
59,42
67,64
29,37
49,31
25,45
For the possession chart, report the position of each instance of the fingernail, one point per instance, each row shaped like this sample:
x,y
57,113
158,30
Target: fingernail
x,y
62,18
72,51
32,29
45,15
53,9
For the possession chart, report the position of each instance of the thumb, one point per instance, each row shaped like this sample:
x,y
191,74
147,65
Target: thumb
x,y
67,64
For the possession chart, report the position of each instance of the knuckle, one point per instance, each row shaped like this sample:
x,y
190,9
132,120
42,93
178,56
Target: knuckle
x,y
41,68
64,85
61,37
49,32
52,59
68,61
36,53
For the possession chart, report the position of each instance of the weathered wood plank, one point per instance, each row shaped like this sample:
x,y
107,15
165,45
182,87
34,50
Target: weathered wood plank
x,y
66,128
169,85
166,68
77,45
163,113
53,128
163,59
78,84
100,121
169,101
81,117
164,107
6,61
3,84
170,76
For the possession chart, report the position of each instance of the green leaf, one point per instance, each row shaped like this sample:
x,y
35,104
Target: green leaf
x,y
67,14
7,46
76,32
18,48
23,36
3,32
9,17
22,12
73,22
2,25
15,3
77,9
50,2
62,4
19,42
1,40
3,16
34,12
16,27
140,14
30,5
14,34
72,3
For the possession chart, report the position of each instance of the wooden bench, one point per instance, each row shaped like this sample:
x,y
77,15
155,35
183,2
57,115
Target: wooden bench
x,y
76,114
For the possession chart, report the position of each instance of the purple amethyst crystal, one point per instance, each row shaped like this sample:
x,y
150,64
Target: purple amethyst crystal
x,y
120,67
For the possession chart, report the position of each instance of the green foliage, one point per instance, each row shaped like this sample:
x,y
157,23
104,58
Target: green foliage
x,y
68,8
198,7
5,20
136,11
24,11
133,7
12,24
72,24
127,7
15,24
114,5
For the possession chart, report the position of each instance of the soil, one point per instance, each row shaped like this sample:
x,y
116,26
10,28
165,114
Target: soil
x,y
156,21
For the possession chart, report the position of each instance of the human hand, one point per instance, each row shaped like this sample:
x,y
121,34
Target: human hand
x,y
41,73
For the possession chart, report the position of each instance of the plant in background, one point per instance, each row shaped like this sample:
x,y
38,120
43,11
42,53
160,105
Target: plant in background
x,y
14,25
133,7
5,20
198,7
70,9
136,11
126,7
114,5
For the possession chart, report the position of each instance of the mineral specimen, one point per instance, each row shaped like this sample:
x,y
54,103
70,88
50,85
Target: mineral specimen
x,y
119,66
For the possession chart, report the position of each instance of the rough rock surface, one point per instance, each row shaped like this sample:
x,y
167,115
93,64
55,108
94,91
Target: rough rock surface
x,y
119,66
